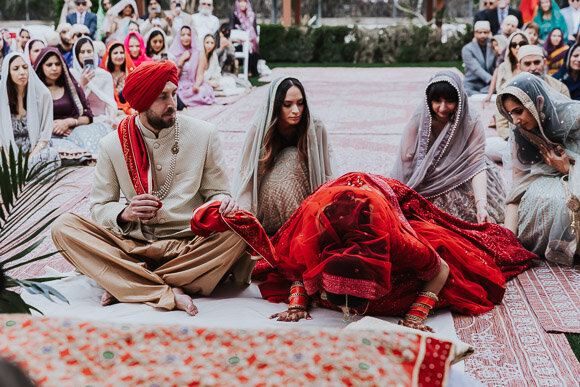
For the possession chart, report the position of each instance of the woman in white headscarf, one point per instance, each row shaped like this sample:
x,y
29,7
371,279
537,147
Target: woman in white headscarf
x,y
442,155
543,203
284,158
116,23
33,48
25,111
96,82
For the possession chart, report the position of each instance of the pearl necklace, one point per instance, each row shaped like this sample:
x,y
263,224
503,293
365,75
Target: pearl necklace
x,y
162,192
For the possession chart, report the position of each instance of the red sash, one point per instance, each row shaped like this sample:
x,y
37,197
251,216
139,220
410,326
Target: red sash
x,y
135,154
206,219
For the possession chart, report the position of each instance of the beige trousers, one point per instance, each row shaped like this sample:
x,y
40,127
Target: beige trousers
x,y
140,271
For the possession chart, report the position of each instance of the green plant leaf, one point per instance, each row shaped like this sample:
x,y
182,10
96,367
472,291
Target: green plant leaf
x,y
31,260
11,302
41,288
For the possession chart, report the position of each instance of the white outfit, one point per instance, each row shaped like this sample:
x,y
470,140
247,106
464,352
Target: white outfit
x,y
205,24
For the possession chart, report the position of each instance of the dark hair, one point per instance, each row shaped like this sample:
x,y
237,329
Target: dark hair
x,y
226,29
273,140
40,72
438,90
80,44
208,55
149,49
13,375
349,267
11,89
110,65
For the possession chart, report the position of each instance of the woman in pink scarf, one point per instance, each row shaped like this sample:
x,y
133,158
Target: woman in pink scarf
x,y
135,46
244,18
191,64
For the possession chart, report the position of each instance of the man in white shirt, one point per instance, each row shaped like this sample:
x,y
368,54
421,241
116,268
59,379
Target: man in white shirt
x,y
572,16
204,22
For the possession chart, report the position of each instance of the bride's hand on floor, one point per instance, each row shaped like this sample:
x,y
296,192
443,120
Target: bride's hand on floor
x,y
416,325
292,315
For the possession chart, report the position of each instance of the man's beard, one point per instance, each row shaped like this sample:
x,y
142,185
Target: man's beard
x,y
537,73
205,10
159,122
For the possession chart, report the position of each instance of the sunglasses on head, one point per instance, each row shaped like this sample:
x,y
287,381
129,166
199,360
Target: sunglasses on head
x,y
518,44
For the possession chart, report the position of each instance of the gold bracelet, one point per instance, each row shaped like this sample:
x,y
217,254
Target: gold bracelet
x,y
430,295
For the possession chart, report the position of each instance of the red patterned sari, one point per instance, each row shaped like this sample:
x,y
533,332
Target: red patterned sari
x,y
397,239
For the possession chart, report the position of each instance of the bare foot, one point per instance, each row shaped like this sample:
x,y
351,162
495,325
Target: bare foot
x,y
184,302
108,299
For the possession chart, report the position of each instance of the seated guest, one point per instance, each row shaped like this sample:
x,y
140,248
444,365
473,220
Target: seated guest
x,y
442,155
203,21
135,46
532,30
487,5
155,18
104,6
479,60
569,74
96,83
65,45
33,48
555,50
191,64
23,38
133,26
156,46
138,249
116,24
365,244
223,85
545,138
75,135
548,17
284,158
83,16
531,60
572,16
509,26
226,52
178,17
118,62
77,31
496,16
25,111
243,18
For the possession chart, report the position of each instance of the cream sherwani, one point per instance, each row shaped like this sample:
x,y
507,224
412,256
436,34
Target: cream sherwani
x,y
141,261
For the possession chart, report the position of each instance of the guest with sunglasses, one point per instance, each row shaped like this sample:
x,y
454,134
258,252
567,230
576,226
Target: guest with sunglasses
x,y
83,16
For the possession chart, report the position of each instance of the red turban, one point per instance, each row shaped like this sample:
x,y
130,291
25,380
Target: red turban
x,y
146,82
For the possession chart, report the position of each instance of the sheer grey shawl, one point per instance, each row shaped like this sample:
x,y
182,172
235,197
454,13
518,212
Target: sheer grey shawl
x,y
453,158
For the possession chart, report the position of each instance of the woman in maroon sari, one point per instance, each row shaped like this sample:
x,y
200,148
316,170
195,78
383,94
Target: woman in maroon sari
x,y
372,244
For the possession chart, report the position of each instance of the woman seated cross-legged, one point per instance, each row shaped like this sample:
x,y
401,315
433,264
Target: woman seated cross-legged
x,y
442,155
75,135
284,158
156,45
26,111
370,245
191,64
543,206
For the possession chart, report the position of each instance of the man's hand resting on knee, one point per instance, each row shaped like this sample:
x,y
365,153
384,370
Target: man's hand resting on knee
x,y
142,207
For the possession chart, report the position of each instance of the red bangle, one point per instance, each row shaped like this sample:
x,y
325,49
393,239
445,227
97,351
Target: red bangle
x,y
428,301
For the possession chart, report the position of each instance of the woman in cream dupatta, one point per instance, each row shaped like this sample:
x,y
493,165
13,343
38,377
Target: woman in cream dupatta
x,y
545,142
31,128
300,164
450,168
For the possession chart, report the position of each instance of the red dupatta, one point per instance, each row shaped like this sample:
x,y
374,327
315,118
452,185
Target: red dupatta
x,y
207,219
135,154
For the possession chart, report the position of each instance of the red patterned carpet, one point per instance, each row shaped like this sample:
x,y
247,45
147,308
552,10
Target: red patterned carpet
x,y
365,111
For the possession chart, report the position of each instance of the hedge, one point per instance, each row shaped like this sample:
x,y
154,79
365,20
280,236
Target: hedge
x,y
356,45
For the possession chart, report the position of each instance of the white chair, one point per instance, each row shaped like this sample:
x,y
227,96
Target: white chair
x,y
242,37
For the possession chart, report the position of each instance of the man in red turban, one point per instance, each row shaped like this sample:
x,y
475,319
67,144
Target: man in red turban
x,y
142,249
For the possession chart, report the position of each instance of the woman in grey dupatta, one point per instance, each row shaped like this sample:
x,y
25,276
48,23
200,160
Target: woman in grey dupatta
x,y
284,158
543,206
442,155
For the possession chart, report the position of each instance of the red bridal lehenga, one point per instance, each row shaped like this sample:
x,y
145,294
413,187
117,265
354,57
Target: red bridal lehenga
x,y
397,238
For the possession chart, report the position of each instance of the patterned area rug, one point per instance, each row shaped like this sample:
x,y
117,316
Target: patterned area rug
x,y
59,352
554,295
512,349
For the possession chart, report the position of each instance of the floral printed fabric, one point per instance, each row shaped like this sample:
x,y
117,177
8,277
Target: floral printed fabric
x,y
63,352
